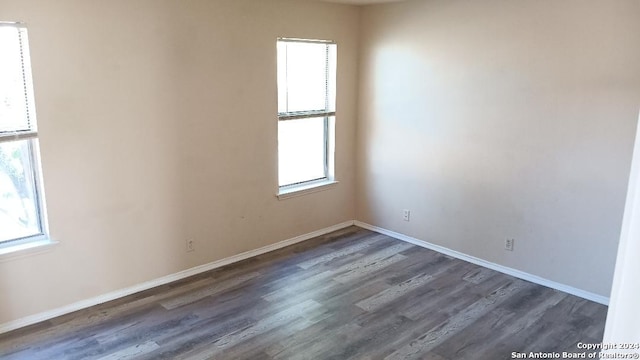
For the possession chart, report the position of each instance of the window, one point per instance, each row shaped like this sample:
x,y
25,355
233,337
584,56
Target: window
x,y
21,200
306,112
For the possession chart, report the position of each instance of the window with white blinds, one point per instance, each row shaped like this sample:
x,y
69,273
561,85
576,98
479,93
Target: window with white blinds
x,y
21,197
16,106
306,111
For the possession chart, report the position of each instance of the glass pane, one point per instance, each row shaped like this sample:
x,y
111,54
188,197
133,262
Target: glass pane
x,y
18,199
301,150
13,103
303,86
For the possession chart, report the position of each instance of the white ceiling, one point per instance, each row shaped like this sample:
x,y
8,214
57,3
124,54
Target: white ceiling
x,y
361,2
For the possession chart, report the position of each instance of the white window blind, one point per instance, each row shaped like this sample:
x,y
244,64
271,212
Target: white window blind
x,y
17,113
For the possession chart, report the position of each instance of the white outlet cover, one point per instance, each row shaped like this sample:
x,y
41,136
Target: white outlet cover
x,y
508,244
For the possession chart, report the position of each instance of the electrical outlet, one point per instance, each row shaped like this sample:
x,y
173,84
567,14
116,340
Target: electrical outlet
x,y
190,245
508,244
406,215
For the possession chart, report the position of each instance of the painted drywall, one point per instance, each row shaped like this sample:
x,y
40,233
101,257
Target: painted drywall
x,y
623,318
157,123
501,119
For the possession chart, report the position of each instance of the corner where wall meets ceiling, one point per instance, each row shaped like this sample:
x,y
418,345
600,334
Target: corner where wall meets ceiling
x,y
361,2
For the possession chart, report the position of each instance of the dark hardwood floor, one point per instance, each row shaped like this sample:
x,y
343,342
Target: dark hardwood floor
x,y
351,294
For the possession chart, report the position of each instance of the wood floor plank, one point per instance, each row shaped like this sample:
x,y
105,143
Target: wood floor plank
x,y
351,294
370,263
194,296
431,339
394,292
363,269
323,347
353,248
210,350
498,326
96,316
131,352
332,322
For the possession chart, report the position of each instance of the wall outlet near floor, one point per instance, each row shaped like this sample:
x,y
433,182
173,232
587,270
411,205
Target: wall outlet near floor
x,y
406,215
190,245
508,244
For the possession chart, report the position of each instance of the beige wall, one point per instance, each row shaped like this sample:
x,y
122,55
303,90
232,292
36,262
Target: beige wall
x,y
493,119
158,123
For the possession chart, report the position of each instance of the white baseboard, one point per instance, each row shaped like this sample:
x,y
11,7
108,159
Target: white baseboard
x,y
83,304
503,269
36,318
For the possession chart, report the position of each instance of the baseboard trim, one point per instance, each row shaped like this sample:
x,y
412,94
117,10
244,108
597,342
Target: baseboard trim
x,y
83,304
503,269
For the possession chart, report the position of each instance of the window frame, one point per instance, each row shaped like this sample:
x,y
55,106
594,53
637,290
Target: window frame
x,y
31,136
328,114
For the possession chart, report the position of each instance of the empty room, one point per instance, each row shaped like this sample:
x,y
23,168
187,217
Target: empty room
x,y
319,179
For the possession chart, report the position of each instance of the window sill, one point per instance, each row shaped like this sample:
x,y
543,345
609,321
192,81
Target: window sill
x,y
22,249
303,189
